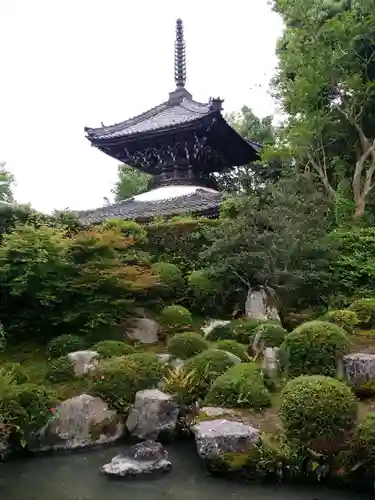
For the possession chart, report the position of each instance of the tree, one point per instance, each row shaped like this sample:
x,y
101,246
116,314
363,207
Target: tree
x,y
330,99
130,182
6,181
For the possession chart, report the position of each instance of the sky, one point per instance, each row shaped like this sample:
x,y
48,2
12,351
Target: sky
x,y
74,63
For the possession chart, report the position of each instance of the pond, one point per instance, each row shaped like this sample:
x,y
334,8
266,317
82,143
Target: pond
x,y
77,477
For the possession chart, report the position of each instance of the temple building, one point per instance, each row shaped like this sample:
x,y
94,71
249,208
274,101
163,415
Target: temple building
x,y
182,143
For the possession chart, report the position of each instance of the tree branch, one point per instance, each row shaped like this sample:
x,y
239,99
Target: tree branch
x,y
322,174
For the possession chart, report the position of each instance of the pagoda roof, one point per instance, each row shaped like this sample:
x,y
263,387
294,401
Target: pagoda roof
x,y
161,202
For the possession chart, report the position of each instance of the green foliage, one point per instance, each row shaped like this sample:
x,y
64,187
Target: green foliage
x,y
241,386
171,282
233,347
176,317
181,384
365,311
3,338
130,182
117,380
112,348
206,291
61,370
314,348
221,332
16,371
65,344
271,334
129,228
366,437
243,329
206,367
317,412
186,345
348,320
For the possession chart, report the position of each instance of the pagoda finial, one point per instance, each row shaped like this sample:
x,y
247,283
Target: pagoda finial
x,y
179,56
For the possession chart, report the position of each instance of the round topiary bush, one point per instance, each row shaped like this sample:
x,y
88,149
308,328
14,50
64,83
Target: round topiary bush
x,y
61,370
270,334
129,228
241,386
244,329
176,317
205,368
171,280
186,345
348,320
317,412
233,347
65,344
365,311
314,348
117,380
221,332
366,437
112,348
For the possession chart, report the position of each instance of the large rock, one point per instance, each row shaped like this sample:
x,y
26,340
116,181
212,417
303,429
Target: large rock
x,y
260,304
271,361
359,368
6,447
79,422
148,457
217,437
145,331
212,324
84,361
153,413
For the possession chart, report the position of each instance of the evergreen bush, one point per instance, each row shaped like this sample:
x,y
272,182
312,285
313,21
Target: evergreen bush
x,y
221,332
365,311
244,329
366,437
65,344
61,370
171,281
317,412
241,386
176,317
112,348
314,348
117,380
233,347
345,318
186,345
271,334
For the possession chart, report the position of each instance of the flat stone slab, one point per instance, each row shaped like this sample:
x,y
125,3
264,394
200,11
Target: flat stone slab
x,y
359,367
214,438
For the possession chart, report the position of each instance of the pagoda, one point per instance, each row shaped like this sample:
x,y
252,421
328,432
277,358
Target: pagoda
x,y
182,143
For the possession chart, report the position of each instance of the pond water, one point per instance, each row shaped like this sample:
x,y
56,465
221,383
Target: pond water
x,y
77,477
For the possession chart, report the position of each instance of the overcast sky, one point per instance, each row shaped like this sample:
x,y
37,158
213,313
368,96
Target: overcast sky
x,y
67,64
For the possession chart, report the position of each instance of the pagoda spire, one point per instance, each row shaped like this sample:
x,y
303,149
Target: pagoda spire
x,y
179,56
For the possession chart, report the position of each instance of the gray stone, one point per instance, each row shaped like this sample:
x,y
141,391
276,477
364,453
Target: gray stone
x,y
260,304
148,457
271,361
177,363
164,358
359,368
77,423
145,331
84,361
214,412
219,436
153,412
212,324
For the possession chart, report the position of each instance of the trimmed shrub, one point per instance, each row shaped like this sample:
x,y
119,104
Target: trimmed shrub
x,y
317,412
244,329
348,320
61,370
65,344
205,368
233,347
314,348
112,348
365,311
241,386
272,334
117,380
171,280
221,332
366,437
186,345
176,317
206,292
129,228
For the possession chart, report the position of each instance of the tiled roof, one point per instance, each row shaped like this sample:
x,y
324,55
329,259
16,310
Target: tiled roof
x,y
167,114
199,202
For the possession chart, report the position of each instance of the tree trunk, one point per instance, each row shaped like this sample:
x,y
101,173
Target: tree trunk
x,y
359,207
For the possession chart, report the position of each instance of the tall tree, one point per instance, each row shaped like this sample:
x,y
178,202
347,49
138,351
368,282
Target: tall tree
x,y
6,181
326,82
130,182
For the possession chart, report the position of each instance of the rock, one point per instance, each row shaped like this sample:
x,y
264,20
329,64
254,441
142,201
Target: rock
x,y
164,358
260,304
145,331
79,422
212,324
271,361
6,448
214,412
153,413
148,457
214,438
359,368
84,361
177,363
